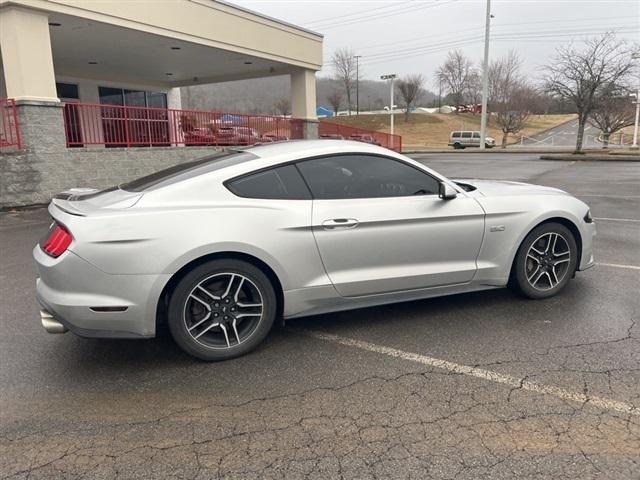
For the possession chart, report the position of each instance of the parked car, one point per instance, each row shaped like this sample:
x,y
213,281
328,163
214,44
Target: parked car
x,y
331,136
272,137
233,135
464,139
200,136
363,137
221,246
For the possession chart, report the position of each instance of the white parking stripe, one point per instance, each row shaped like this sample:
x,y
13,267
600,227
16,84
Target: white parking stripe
x,y
511,381
605,219
605,196
618,265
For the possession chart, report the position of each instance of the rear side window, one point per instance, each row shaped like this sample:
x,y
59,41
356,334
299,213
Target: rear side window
x,y
283,183
455,134
476,134
466,134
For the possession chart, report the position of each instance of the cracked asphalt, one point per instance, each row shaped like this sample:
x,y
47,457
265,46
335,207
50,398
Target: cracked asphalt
x,y
388,392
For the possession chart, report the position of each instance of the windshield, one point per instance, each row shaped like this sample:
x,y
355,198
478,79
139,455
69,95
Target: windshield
x,y
186,170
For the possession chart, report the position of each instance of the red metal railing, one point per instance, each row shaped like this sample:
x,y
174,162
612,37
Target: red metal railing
x,y
9,126
335,130
118,126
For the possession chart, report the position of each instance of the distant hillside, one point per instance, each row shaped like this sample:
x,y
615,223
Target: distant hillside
x,y
260,95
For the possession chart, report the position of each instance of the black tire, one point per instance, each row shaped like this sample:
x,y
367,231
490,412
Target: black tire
x,y
182,305
554,270
457,146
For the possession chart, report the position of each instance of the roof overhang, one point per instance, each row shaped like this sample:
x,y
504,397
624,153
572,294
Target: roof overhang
x,y
182,42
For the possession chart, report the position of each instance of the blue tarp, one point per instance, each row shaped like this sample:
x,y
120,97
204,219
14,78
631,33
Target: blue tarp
x,y
324,112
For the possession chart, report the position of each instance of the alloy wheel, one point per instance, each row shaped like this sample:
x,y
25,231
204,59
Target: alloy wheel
x,y
547,262
223,310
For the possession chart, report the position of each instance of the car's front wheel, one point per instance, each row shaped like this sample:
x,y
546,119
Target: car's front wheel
x,y
545,261
222,309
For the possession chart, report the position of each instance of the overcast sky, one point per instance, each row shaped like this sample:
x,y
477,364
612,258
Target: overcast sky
x,y
414,36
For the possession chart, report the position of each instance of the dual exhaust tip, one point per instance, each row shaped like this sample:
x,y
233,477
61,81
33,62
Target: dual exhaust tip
x,y
50,324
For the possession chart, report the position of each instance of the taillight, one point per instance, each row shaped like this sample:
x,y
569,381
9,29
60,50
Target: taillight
x,y
58,241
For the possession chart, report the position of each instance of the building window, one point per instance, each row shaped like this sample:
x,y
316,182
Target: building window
x,y
135,125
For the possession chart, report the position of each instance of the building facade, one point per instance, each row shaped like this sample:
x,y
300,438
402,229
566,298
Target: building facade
x,y
96,86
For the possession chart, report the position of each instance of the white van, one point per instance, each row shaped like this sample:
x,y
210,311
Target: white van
x,y
464,139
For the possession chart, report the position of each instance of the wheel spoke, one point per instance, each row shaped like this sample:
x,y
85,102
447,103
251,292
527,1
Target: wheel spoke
x,y
533,273
562,260
555,274
553,238
202,302
208,293
235,295
535,259
538,277
235,330
560,255
205,330
226,292
206,317
226,336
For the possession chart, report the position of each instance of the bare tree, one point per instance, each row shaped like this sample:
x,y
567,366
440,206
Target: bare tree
x,y
613,112
410,89
455,74
335,100
473,89
344,64
283,106
511,100
582,75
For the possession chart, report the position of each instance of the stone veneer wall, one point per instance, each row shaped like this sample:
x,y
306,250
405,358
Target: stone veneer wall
x,y
45,166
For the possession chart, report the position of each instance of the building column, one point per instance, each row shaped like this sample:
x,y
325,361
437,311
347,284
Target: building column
x,y
26,55
303,100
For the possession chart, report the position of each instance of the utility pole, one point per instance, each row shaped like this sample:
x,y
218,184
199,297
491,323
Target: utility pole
x,y
635,128
357,57
485,78
391,77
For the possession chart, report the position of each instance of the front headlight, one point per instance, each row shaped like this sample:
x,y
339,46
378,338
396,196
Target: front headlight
x,y
587,217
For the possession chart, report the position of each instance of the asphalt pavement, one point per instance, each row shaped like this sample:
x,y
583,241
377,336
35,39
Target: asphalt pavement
x,y
482,385
564,136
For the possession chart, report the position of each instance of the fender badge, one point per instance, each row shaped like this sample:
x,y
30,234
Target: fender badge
x,y
497,228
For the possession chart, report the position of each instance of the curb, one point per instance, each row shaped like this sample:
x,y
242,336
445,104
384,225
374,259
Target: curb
x,y
591,158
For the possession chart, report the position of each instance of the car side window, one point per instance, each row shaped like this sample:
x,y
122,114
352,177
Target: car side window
x,y
456,135
476,134
364,176
283,183
466,134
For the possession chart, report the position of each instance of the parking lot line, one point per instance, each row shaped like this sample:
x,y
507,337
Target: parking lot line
x,y
605,219
605,196
509,380
618,265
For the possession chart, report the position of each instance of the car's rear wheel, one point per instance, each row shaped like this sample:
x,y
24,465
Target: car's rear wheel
x,y
457,146
545,261
222,309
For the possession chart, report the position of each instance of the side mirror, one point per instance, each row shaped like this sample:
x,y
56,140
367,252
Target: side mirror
x,y
446,191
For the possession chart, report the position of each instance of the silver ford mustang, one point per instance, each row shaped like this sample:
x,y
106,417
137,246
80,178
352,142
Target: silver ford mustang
x,y
220,247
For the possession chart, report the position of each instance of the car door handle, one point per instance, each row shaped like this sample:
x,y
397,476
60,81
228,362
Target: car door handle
x,y
339,223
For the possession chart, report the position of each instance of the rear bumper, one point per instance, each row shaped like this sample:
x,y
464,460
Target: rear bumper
x,y
77,296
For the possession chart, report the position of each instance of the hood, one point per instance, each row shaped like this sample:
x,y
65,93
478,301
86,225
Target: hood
x,y
503,187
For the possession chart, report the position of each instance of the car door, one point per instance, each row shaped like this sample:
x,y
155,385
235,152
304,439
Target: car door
x,y
380,225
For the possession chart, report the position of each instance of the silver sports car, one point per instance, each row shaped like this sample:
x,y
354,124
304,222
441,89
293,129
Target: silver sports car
x,y
220,247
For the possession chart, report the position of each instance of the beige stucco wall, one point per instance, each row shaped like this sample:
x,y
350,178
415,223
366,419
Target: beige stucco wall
x,y
204,22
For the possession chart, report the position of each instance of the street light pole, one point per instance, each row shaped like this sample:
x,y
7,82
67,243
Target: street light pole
x,y
391,77
357,57
635,128
485,78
